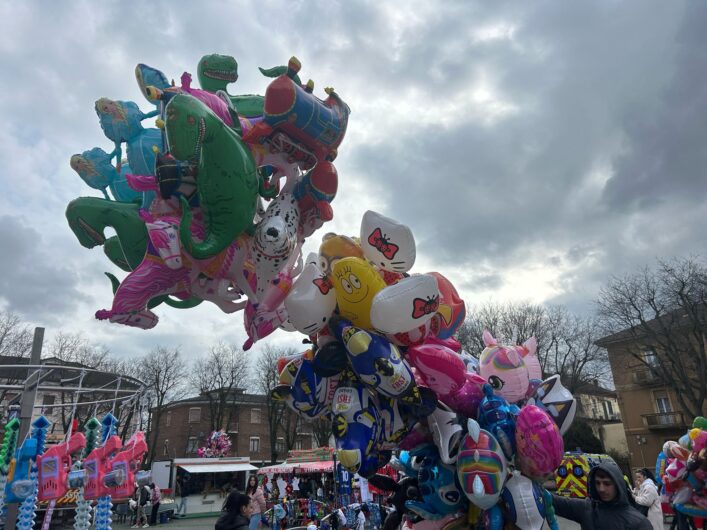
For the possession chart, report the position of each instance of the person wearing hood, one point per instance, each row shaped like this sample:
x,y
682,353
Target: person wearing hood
x,y
647,497
609,505
236,512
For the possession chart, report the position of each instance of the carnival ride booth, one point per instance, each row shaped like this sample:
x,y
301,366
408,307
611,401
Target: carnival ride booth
x,y
207,481
59,462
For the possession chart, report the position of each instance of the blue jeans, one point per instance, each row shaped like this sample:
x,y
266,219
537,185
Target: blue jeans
x,y
182,505
254,521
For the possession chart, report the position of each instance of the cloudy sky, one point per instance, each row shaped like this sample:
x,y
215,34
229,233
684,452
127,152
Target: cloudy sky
x,y
534,148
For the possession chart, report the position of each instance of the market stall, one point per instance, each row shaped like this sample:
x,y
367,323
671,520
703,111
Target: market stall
x,y
208,480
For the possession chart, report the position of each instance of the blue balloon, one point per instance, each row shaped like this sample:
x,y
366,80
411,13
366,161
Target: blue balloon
x,y
498,417
95,169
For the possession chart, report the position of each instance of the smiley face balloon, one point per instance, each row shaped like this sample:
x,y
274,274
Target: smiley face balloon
x,y
356,283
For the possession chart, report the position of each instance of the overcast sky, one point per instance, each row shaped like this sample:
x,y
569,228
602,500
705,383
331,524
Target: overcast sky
x,y
534,148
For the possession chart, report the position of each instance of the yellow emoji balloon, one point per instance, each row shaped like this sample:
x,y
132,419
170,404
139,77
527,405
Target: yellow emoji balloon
x,y
356,282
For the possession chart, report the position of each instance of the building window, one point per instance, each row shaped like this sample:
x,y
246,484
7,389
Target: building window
x,y
280,445
168,419
255,415
608,410
191,445
166,447
650,358
298,445
47,401
662,403
195,415
254,444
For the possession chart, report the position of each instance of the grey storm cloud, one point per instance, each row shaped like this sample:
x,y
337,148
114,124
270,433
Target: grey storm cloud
x,y
32,282
562,136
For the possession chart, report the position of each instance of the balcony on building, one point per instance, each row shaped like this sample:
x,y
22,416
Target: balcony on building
x,y
664,420
644,376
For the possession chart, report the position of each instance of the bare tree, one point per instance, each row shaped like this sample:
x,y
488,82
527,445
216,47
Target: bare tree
x,y
571,350
321,429
265,379
216,376
75,348
15,341
511,323
163,371
15,336
565,342
663,310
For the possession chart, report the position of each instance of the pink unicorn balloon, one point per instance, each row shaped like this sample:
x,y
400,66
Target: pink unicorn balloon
x,y
508,369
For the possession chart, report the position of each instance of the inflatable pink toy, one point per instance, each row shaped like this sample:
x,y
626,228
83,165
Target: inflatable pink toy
x,y
505,368
445,373
539,444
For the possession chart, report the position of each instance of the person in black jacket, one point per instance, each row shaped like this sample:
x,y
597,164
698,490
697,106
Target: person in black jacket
x,y
235,513
608,506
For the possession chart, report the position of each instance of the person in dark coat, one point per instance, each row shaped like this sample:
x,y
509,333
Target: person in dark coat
x,y
608,506
235,513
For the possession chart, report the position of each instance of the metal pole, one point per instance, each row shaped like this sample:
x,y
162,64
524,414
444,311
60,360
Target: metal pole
x,y
29,395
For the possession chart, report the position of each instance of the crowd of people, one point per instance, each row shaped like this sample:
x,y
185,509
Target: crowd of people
x,y
246,510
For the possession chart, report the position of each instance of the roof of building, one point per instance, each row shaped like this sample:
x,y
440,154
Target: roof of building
x,y
594,389
237,397
678,318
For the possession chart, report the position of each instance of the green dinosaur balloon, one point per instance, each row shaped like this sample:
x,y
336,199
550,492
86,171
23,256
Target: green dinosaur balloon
x,y
228,181
88,218
216,72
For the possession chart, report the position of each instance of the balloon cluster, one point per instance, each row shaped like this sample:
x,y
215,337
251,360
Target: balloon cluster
x,y
217,446
681,469
385,368
188,201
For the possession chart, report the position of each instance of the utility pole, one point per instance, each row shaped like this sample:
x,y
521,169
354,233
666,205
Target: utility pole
x,y
29,396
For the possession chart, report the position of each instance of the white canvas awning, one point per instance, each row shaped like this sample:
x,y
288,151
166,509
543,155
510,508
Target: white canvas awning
x,y
216,467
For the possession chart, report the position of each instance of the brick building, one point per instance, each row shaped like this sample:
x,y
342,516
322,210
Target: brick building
x,y
185,424
650,410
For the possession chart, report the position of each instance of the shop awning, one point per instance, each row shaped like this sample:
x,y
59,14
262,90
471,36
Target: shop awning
x,y
215,467
277,469
295,468
315,467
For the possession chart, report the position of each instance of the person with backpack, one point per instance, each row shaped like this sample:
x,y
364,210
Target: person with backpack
x,y
143,499
647,498
155,499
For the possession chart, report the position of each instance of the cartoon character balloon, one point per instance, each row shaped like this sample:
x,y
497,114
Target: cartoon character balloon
x,y
557,401
504,369
524,502
356,283
388,244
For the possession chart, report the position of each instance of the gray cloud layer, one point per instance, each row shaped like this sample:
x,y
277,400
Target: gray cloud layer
x,y
534,148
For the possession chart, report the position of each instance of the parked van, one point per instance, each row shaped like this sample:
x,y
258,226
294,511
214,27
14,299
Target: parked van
x,y
571,475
